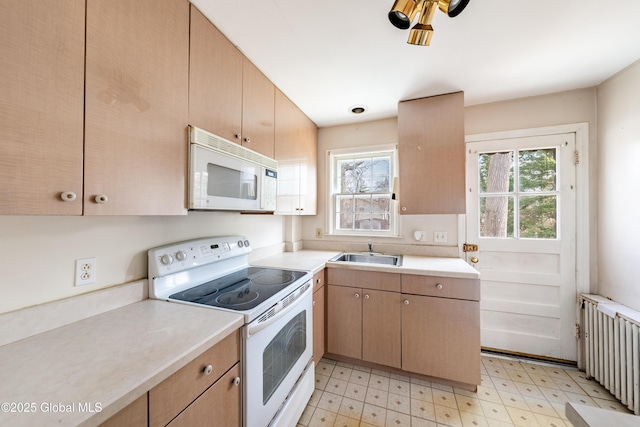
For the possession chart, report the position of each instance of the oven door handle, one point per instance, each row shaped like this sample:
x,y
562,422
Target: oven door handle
x,y
255,327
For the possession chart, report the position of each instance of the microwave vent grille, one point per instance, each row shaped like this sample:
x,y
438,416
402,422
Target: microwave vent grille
x,y
214,142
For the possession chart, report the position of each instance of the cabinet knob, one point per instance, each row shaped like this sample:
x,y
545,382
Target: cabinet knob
x,y
318,280
238,136
314,304
366,296
404,209
68,196
101,198
357,295
247,140
439,286
406,302
236,381
207,370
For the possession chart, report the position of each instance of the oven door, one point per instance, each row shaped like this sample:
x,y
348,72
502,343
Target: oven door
x,y
276,353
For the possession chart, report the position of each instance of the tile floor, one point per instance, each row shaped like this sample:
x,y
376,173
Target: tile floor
x,y
513,393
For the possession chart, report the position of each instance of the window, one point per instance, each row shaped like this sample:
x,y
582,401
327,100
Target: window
x,y
361,192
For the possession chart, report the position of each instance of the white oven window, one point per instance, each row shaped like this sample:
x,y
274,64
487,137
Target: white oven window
x,y
281,354
228,182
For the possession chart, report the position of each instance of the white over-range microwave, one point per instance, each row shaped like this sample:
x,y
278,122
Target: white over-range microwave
x,y
229,177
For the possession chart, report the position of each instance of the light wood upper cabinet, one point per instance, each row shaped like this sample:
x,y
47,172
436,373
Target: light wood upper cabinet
x,y
296,150
228,95
431,155
137,70
258,110
41,106
215,86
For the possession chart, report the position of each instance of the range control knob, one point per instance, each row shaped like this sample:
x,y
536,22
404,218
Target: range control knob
x,y
246,243
166,259
181,255
240,243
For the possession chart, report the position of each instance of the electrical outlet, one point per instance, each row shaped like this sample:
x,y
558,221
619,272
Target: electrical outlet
x,y
440,237
86,271
318,233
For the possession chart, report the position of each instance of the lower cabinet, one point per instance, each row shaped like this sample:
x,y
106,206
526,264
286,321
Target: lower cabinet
x,y
221,401
440,338
319,305
364,322
423,324
203,392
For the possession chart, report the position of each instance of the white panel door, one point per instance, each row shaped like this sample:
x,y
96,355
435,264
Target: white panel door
x,y
521,211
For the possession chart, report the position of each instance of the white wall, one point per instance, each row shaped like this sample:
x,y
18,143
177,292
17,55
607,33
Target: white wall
x,y
37,254
619,184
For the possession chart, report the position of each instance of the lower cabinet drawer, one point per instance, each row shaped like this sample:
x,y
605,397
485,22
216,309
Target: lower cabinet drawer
x,y
444,287
174,394
218,406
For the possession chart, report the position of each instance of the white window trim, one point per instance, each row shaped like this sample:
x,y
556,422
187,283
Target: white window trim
x,y
330,217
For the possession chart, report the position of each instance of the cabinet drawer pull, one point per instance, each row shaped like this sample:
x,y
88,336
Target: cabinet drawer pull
x,y
406,302
101,198
439,286
208,370
236,381
357,295
314,303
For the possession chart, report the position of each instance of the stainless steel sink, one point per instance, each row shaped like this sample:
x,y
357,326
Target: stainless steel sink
x,y
369,257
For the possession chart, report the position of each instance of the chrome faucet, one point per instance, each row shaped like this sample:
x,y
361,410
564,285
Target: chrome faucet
x,y
370,246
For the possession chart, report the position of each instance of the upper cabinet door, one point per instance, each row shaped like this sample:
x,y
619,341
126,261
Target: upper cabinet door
x,y
296,150
215,87
41,106
258,103
137,71
431,155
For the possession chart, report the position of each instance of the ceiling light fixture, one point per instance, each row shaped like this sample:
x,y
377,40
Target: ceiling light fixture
x,y
358,109
404,11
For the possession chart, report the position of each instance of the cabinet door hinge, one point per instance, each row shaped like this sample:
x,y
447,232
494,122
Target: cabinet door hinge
x,y
576,159
577,331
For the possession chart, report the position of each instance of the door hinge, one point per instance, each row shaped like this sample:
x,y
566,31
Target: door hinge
x,y
576,160
469,247
577,331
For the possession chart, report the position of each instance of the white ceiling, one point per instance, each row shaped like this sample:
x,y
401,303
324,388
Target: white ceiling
x,y
330,55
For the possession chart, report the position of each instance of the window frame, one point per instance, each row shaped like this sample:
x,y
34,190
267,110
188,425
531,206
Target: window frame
x,y
335,155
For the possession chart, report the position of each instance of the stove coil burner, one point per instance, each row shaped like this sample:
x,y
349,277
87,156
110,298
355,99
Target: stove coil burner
x,y
273,278
236,298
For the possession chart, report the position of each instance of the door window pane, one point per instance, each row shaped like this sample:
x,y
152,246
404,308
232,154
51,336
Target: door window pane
x,y
537,170
496,172
538,217
496,216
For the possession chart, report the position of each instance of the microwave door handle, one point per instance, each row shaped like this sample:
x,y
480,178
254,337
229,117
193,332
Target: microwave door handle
x,y
255,327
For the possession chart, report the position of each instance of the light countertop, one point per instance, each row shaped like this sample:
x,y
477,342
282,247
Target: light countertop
x,y
104,361
314,261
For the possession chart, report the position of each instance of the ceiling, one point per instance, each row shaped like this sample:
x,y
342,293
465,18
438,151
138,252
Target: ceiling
x,y
330,55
